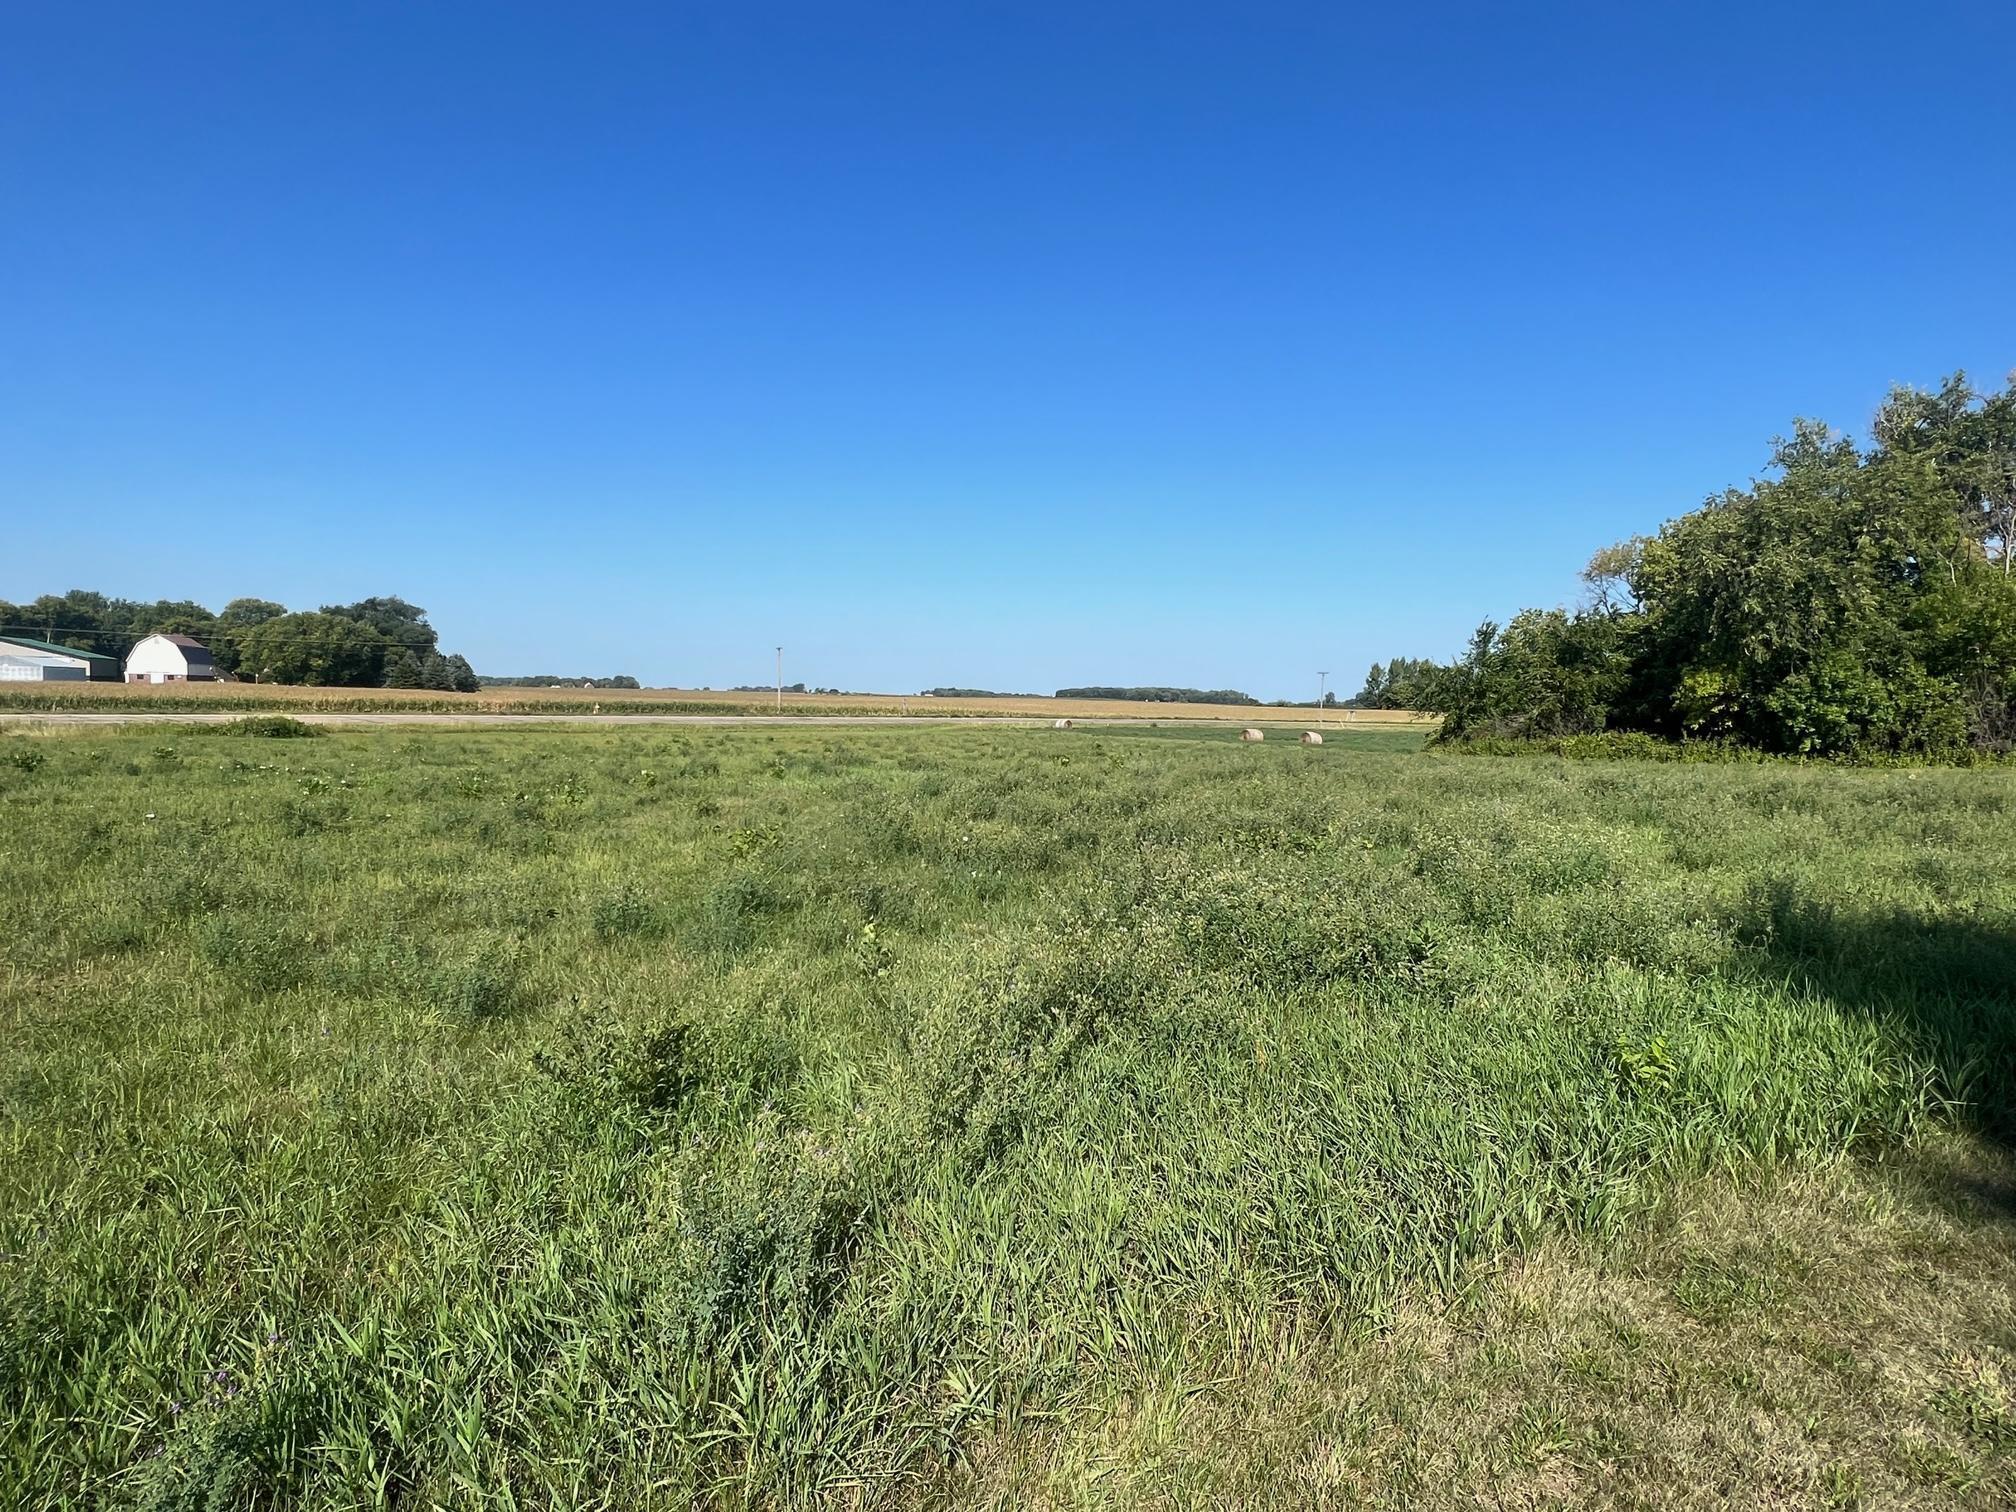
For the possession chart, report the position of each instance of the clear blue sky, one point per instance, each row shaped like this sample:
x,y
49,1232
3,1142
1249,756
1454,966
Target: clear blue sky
x,y
1012,345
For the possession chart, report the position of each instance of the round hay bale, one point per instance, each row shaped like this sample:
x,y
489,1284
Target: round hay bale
x,y
1251,735
1062,724
1311,737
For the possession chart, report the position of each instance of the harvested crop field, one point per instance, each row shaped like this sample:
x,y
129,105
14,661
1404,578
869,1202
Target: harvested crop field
x,y
977,1115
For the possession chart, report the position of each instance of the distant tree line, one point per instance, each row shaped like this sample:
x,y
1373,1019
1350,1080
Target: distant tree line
x,y
1856,603
375,642
1163,695
547,680
969,693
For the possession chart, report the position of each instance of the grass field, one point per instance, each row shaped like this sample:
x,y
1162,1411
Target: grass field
x,y
182,698
998,1116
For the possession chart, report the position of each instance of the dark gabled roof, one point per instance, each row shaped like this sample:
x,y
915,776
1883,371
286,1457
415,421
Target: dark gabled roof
x,y
42,645
194,652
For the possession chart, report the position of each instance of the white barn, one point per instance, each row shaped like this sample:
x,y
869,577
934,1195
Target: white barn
x,y
170,658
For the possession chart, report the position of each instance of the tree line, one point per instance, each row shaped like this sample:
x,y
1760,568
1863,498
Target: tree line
x,y
1162,695
373,643
1857,602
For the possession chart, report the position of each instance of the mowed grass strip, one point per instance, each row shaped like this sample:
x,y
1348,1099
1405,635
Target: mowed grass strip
x,y
627,1118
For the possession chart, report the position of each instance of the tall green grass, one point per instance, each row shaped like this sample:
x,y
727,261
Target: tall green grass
x,y
618,1119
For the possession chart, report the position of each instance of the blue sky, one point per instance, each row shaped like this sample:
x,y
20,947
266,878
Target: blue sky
x,y
1007,345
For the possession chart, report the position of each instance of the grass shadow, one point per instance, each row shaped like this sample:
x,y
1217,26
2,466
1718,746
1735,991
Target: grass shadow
x,y
1948,986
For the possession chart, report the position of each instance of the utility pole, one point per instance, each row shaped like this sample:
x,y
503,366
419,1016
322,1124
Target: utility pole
x,y
1322,681
780,679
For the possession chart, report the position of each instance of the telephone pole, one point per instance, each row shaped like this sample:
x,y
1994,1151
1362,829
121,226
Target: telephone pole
x,y
1322,682
780,679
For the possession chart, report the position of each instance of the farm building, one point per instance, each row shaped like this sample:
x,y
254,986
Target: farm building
x,y
170,658
24,660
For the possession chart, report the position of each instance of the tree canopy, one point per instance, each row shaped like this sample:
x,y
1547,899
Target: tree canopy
x,y
1397,684
1855,602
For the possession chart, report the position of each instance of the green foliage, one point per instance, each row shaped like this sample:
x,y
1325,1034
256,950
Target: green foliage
x,y
271,727
1607,745
1548,673
402,670
445,674
1858,604
227,635
327,650
268,951
396,623
1789,616
627,911
1405,682
483,981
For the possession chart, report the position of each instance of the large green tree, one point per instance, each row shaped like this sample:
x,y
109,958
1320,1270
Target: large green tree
x,y
328,650
1546,673
1854,602
1405,682
233,622
400,623
1792,615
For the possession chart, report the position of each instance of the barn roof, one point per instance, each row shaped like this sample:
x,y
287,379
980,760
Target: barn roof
x,y
193,651
51,647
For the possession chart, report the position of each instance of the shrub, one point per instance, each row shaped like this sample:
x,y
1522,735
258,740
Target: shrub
x,y
483,982
606,1067
627,912
1606,745
236,1447
731,913
266,951
272,727
767,1238
601,1068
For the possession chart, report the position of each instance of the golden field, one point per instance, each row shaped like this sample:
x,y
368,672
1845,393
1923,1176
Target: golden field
x,y
189,697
